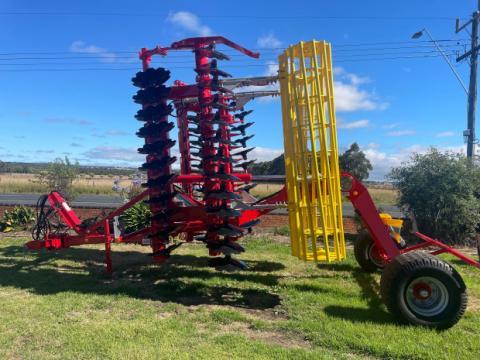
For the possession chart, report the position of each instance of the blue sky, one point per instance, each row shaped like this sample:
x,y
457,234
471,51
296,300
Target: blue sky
x,y
390,107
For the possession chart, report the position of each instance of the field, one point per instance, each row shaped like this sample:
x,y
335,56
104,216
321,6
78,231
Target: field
x,y
102,185
60,305
380,195
86,184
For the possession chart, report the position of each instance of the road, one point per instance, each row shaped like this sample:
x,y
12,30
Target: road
x,y
107,202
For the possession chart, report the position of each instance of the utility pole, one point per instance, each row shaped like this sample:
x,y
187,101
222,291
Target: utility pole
x,y
469,134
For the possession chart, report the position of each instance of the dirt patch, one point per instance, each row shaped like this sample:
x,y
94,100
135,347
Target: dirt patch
x,y
473,304
272,337
268,315
15,234
469,251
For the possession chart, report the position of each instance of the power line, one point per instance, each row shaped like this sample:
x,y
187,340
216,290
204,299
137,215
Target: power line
x,y
167,61
233,66
423,43
223,16
188,58
390,58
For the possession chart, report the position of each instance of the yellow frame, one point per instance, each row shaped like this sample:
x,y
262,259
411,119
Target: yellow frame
x,y
311,152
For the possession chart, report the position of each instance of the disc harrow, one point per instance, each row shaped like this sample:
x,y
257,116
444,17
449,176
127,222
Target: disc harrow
x,y
204,201
153,96
208,198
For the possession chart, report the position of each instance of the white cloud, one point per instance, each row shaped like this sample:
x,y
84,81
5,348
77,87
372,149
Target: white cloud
x,y
355,79
383,162
401,133
348,97
114,153
112,132
67,120
264,154
272,68
446,134
353,124
390,126
190,22
269,41
348,94
83,48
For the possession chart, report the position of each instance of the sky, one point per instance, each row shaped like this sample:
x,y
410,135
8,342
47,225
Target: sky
x,y
66,69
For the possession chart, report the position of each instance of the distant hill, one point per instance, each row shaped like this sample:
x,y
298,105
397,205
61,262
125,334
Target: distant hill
x,y
273,167
35,168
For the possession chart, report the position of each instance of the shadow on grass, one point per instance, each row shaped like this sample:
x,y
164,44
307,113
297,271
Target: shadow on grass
x,y
184,279
460,262
375,311
337,267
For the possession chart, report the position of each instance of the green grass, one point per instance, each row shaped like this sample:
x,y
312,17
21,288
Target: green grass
x,y
282,230
60,305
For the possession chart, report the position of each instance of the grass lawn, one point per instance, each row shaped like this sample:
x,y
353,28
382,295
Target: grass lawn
x,y
61,306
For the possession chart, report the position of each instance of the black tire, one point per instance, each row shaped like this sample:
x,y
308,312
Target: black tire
x,y
421,289
364,251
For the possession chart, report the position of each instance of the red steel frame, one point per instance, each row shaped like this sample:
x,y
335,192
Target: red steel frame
x,y
357,194
362,201
99,232
189,215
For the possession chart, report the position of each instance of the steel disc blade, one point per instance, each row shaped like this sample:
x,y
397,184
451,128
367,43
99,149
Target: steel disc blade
x,y
151,77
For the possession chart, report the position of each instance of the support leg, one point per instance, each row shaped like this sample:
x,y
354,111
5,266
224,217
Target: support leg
x,y
108,241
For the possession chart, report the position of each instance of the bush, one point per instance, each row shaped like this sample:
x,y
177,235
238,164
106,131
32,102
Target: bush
x,y
135,218
59,176
442,190
17,218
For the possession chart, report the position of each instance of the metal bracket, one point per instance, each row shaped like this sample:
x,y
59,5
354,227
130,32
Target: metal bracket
x,y
250,81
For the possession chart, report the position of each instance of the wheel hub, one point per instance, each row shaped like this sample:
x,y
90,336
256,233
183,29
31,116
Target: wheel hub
x,y
426,296
422,291
375,256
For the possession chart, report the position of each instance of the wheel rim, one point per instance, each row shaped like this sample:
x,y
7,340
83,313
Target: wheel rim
x,y
374,255
426,296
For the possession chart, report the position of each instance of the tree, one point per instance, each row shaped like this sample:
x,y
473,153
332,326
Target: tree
x,y
355,162
59,176
442,191
273,167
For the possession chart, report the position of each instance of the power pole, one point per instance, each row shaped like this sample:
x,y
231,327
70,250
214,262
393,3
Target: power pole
x,y
469,134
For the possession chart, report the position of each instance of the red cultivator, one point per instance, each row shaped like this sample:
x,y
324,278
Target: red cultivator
x,y
208,200
204,202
